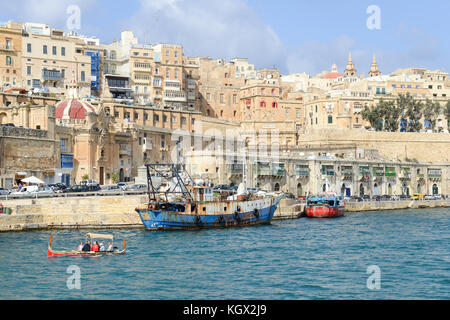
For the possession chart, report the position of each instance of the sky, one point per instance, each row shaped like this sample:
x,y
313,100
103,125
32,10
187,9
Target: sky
x,y
294,36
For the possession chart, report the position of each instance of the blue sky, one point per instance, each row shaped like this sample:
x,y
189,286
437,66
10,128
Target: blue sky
x,y
292,35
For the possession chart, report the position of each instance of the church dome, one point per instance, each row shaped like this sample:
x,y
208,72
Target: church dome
x,y
72,108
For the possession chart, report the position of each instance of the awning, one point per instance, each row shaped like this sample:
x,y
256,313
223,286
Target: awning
x,y
21,173
100,236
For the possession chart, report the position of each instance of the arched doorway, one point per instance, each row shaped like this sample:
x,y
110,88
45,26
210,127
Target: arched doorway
x,y
343,189
375,189
299,190
324,188
3,116
121,175
435,189
276,187
419,188
361,190
389,189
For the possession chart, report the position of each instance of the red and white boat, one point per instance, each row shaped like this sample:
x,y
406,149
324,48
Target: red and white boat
x,y
325,205
76,253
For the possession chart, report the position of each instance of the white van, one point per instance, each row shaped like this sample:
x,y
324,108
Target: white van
x,y
25,190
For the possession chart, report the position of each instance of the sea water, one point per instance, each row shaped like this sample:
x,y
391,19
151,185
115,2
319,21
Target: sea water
x,y
402,254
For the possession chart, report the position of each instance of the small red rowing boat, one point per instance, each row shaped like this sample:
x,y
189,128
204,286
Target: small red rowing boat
x,y
76,253
326,205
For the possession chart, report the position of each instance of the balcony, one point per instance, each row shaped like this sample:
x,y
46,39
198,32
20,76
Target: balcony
x,y
176,96
191,95
173,85
51,75
7,47
278,169
124,150
263,169
235,168
147,145
302,171
434,174
191,84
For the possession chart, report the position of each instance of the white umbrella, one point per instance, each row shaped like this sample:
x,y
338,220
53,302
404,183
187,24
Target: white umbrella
x,y
33,180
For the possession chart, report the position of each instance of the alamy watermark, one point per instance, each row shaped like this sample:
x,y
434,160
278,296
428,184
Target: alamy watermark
x,y
374,20
74,20
374,280
74,280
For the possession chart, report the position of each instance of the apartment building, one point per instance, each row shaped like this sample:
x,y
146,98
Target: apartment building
x,y
10,55
50,60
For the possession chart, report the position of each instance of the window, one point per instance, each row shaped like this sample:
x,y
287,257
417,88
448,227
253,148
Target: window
x,y
54,50
63,51
163,141
297,113
167,73
145,116
176,74
28,70
234,98
156,118
262,104
274,105
164,118
44,49
176,54
83,76
221,98
8,60
63,73
156,70
330,119
136,116
167,53
28,47
63,145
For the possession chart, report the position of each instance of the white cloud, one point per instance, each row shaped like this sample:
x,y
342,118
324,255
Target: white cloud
x,y
221,29
51,12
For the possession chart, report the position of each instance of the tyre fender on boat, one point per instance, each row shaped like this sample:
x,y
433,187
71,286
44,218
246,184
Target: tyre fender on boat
x,y
256,213
237,217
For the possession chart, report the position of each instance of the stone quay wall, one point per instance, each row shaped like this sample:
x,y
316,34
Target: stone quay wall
x,y
118,211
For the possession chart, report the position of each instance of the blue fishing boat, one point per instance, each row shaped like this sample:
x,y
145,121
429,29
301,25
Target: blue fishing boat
x,y
181,205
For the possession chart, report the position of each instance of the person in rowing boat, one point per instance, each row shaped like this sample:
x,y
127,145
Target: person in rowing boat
x,y
80,246
102,247
110,247
87,246
95,246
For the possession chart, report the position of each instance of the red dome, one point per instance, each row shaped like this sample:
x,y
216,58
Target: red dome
x,y
332,75
73,109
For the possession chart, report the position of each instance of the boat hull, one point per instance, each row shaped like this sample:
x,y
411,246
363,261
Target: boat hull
x,y
325,212
161,220
51,253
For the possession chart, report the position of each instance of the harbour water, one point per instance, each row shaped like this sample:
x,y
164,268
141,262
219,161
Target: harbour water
x,y
296,259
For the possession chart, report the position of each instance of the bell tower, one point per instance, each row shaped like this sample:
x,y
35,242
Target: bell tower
x,y
374,71
350,69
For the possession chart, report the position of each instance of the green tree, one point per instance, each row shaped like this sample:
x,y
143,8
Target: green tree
x,y
414,114
85,177
447,113
115,177
431,112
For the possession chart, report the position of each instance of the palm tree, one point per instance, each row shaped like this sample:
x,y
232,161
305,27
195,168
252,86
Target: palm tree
x,y
431,112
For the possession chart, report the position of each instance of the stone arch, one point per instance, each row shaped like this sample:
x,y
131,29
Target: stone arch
x,y
299,190
3,117
435,189
276,187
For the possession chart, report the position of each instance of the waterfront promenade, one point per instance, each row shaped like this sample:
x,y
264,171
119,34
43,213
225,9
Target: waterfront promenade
x,y
118,211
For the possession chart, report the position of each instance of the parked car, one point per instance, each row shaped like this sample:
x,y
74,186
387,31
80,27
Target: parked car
x,y
417,196
385,197
404,197
376,198
366,197
233,188
395,197
57,187
137,187
4,192
89,182
221,187
82,188
356,198
111,189
43,190
290,196
122,185
429,197
437,197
